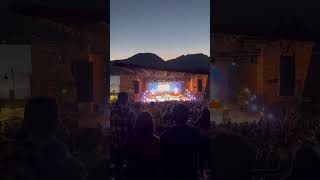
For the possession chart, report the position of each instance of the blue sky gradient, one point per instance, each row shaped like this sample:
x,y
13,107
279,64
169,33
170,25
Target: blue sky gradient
x,y
168,28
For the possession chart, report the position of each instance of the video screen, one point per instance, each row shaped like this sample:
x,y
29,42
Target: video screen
x,y
165,87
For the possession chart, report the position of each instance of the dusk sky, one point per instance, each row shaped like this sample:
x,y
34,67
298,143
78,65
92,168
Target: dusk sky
x,y
168,28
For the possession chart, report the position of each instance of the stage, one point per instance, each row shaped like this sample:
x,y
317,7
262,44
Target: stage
x,y
160,91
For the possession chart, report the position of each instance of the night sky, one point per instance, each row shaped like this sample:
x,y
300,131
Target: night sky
x,y
169,28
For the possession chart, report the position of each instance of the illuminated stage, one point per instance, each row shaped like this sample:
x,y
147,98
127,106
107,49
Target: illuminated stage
x,y
158,85
160,91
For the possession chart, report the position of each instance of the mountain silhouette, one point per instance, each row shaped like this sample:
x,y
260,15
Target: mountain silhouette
x,y
186,63
191,62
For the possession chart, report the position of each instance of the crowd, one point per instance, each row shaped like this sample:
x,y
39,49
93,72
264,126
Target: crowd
x,y
176,140
41,149
160,140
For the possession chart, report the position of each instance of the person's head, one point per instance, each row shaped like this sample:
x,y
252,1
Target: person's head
x,y
41,117
306,163
180,114
144,124
152,104
168,108
123,98
204,121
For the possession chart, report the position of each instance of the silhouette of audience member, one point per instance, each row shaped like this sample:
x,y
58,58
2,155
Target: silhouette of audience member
x,y
88,140
41,155
156,115
137,109
122,119
143,150
166,118
98,167
204,120
204,126
231,157
306,164
121,124
101,172
180,147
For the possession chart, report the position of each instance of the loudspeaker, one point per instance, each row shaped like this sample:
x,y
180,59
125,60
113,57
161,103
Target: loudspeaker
x,y
199,85
136,87
182,90
84,77
287,76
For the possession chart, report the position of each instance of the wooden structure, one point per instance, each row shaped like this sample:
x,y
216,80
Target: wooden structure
x,y
70,57
254,63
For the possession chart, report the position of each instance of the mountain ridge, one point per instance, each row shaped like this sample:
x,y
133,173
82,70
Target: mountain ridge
x,y
190,63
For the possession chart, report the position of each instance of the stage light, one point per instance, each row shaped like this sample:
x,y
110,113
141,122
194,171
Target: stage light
x,y
270,116
261,113
176,90
254,107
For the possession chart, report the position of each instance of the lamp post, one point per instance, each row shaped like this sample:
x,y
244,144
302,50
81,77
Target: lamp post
x,y
11,92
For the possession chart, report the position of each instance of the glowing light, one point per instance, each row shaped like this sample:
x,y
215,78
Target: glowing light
x,y
247,90
254,107
270,116
163,87
176,90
